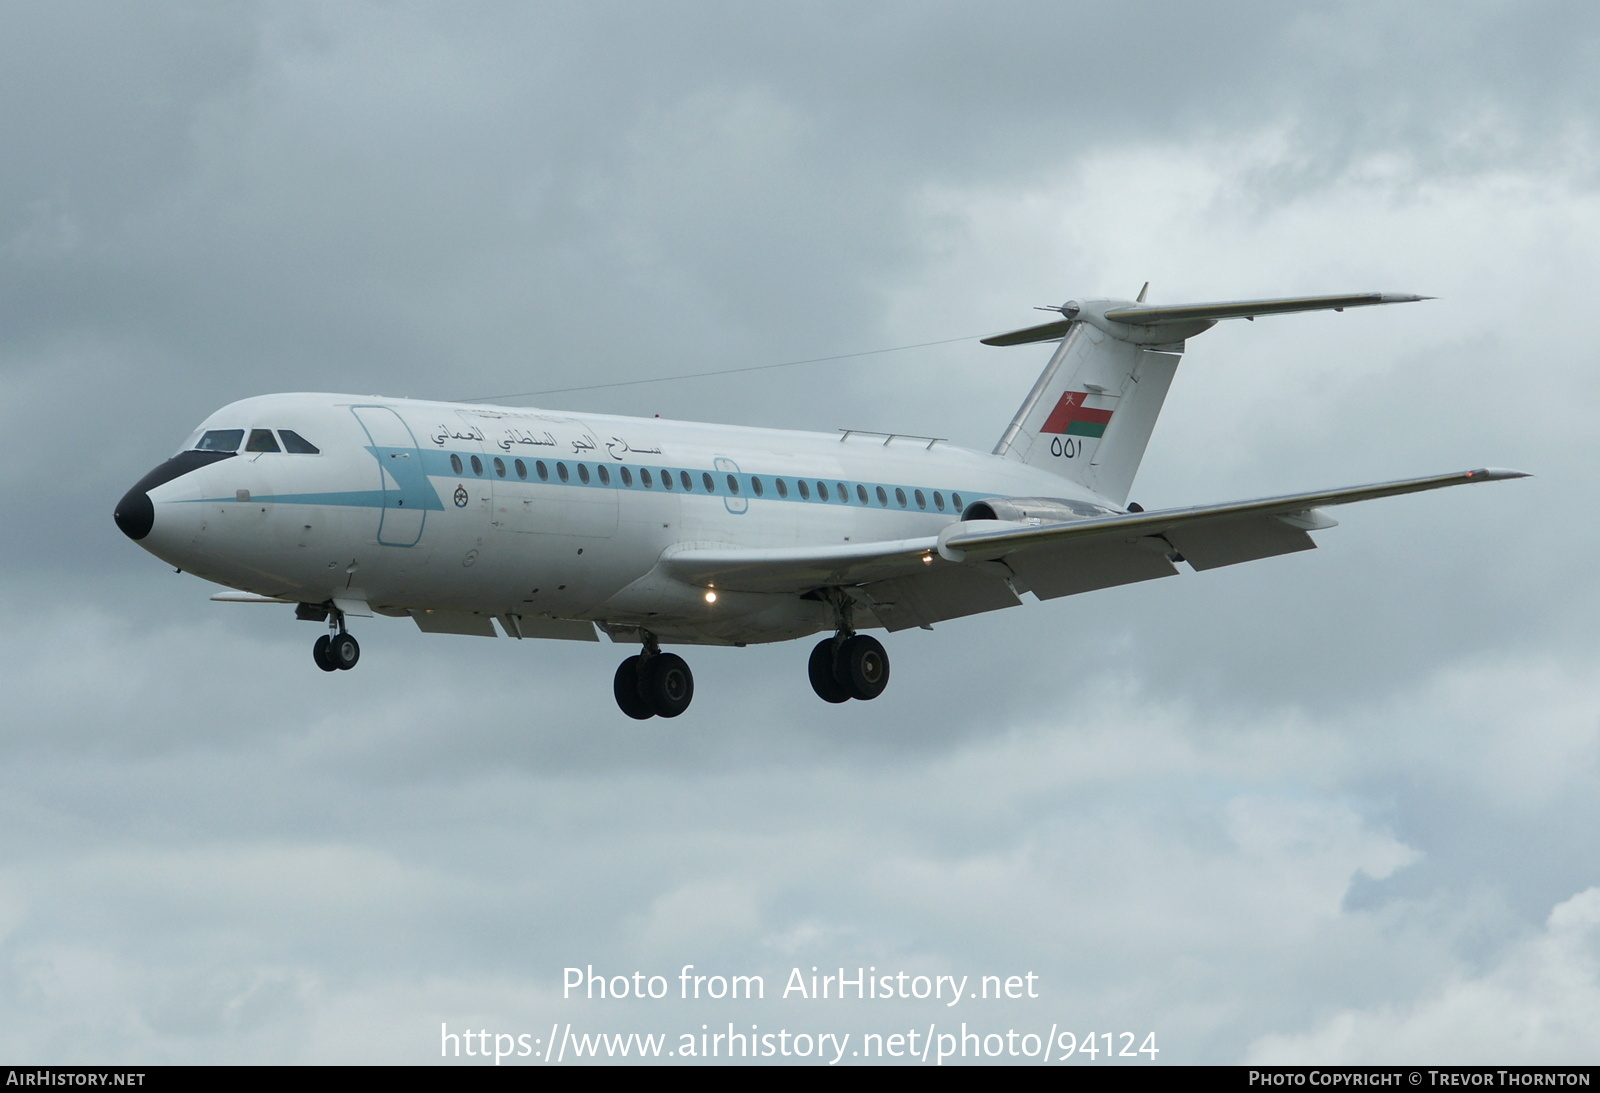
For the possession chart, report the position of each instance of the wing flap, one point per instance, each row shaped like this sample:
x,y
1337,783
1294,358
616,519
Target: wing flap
x,y
944,592
1212,544
469,623
1065,569
542,626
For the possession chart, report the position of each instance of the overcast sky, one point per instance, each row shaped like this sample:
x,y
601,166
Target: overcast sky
x,y
1335,806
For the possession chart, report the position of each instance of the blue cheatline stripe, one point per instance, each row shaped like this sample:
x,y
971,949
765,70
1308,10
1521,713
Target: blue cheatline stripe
x,y
419,491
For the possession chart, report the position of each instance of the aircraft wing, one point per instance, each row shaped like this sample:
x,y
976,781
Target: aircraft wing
x,y
983,565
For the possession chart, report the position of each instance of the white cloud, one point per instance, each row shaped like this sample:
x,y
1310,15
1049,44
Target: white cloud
x,y
1539,1005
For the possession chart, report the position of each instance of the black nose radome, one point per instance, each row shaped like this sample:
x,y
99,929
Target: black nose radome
x,y
135,514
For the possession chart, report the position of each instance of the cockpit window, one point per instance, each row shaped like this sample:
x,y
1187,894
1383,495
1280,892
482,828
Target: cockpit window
x,y
296,444
262,440
220,440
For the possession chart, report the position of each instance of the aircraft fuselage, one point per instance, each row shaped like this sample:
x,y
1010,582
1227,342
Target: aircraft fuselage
x,y
456,509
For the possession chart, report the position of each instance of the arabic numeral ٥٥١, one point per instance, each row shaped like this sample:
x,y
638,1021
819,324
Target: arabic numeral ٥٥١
x,y
1067,447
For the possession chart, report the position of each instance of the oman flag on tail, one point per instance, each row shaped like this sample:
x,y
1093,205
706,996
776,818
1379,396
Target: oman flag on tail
x,y
1072,417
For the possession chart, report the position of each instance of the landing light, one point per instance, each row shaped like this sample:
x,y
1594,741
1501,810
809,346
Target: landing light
x,y
711,597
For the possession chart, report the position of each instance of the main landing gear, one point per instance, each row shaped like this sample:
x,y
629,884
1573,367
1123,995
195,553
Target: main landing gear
x,y
336,650
844,667
653,684
848,665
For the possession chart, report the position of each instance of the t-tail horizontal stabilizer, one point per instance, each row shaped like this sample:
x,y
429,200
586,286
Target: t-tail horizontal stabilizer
x,y
1090,415
1153,315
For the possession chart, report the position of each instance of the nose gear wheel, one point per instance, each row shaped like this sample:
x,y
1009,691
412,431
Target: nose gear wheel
x,y
336,650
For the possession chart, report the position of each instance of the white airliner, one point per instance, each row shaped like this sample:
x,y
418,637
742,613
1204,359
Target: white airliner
x,y
665,532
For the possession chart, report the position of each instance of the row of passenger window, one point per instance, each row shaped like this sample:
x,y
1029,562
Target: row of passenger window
x,y
686,481
261,440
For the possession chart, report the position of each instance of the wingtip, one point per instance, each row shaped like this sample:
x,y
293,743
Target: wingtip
x,y
1496,474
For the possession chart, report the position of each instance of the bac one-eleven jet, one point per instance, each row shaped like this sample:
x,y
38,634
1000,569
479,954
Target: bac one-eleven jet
x,y
660,532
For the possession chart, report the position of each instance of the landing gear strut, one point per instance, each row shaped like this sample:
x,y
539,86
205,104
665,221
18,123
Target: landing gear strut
x,y
336,650
848,665
653,684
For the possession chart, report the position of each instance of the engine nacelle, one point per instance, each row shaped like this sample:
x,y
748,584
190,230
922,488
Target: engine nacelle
x,y
1045,510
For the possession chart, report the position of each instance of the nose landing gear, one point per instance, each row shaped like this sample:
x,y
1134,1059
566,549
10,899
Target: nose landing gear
x,y
653,684
336,650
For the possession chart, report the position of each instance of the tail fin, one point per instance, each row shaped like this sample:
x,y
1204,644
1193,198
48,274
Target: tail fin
x,y
1090,415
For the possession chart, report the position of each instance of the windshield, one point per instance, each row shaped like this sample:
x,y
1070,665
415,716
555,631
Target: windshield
x,y
220,440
